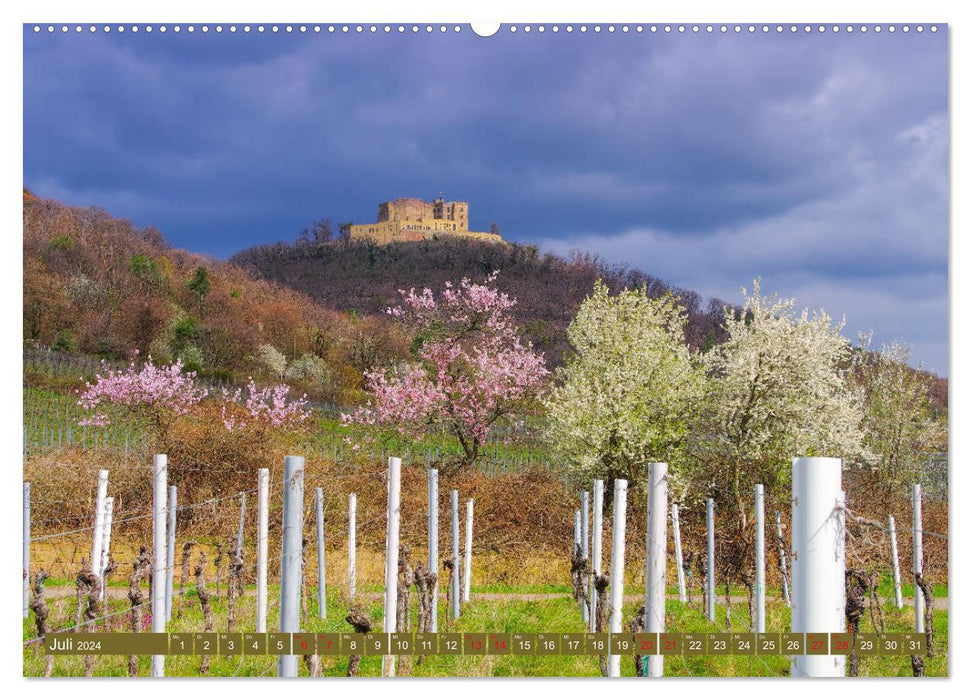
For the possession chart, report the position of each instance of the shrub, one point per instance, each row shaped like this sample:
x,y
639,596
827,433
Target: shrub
x,y
309,368
272,359
65,342
191,357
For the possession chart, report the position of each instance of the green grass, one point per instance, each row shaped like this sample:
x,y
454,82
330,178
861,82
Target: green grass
x,y
558,614
885,588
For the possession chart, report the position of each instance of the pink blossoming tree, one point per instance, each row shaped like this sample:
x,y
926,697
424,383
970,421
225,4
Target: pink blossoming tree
x,y
471,369
159,395
154,394
270,407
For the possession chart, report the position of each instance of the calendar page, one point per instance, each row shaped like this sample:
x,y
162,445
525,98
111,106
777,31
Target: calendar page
x,y
435,349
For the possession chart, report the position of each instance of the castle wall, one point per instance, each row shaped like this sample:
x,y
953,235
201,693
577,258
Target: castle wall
x,y
411,219
390,231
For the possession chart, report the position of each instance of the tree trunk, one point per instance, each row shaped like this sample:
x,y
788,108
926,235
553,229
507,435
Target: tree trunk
x,y
39,606
636,626
205,604
141,568
361,622
601,583
856,589
186,553
928,590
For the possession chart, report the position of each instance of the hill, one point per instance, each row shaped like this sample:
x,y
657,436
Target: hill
x,y
98,285
363,277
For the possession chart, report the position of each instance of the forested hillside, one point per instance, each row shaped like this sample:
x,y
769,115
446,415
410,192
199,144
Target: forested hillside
x,y
98,285
364,277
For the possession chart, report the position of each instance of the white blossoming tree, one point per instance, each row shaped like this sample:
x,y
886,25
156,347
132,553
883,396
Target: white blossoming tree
x,y
272,359
903,427
778,387
627,394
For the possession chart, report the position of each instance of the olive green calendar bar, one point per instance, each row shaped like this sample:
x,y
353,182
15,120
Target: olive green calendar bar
x,y
486,644
102,643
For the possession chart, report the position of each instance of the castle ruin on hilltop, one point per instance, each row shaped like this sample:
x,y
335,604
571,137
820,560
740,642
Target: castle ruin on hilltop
x,y
413,219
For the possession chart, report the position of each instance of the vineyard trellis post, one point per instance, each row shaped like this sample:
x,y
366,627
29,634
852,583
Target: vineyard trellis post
x,y
585,541
710,565
242,522
391,557
99,521
467,582
918,559
818,559
678,559
576,532
160,472
597,543
106,545
456,591
292,557
351,545
655,590
170,550
26,535
898,596
783,568
433,541
321,556
262,546
759,625
577,538
617,571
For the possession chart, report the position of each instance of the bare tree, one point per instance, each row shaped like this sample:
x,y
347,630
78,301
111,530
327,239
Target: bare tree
x,y
362,624
141,569
39,606
205,604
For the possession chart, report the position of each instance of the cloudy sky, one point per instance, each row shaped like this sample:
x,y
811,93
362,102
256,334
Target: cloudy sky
x,y
818,162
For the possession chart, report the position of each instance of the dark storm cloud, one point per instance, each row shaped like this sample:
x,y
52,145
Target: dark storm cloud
x,y
817,162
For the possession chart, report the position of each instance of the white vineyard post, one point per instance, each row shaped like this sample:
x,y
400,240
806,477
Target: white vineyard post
x,y
170,551
26,548
818,559
433,541
352,545
656,576
242,521
576,532
456,562
106,545
577,538
898,596
467,582
710,592
617,570
99,522
321,557
585,541
160,471
391,558
262,546
759,626
292,557
783,568
918,560
597,544
678,560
